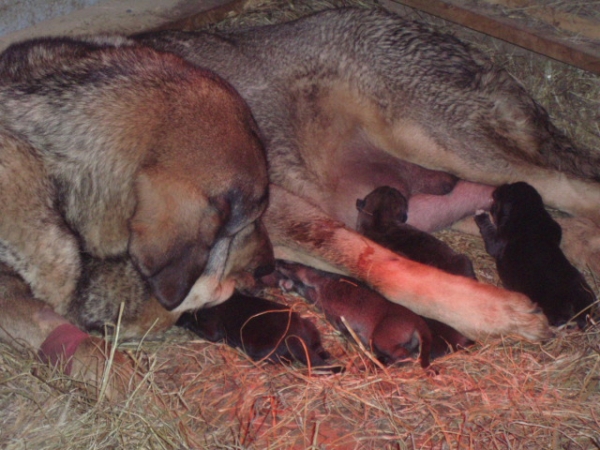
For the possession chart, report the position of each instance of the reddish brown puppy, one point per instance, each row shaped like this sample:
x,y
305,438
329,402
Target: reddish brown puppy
x,y
391,331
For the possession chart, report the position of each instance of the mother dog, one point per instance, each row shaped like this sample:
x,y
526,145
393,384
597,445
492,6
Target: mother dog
x,y
342,99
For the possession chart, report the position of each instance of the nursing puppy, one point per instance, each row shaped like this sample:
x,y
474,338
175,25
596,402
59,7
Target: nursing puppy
x,y
261,328
525,241
391,331
130,157
382,218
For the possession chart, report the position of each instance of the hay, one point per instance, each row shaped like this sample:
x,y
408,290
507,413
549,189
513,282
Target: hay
x,y
499,394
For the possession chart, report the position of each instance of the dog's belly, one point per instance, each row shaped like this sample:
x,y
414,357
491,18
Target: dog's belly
x,y
354,168
436,199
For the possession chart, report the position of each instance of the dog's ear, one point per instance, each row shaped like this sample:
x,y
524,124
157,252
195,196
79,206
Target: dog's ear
x,y
171,233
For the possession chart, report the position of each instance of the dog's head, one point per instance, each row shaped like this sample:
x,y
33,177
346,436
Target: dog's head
x,y
200,195
383,208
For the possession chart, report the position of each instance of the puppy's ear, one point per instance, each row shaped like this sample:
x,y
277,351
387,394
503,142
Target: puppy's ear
x,y
360,204
171,233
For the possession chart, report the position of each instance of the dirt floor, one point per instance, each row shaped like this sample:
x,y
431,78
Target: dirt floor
x,y
499,394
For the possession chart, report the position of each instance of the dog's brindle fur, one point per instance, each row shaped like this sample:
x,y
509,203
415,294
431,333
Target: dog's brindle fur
x,y
262,328
128,156
340,96
525,242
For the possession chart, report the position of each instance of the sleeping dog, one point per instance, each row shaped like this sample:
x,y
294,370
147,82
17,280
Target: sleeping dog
x,y
101,137
525,241
116,156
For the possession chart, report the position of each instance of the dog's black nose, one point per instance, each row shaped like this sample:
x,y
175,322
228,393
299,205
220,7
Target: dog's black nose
x,y
265,269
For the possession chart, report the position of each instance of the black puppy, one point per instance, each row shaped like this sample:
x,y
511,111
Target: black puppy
x,y
391,331
525,241
261,328
381,217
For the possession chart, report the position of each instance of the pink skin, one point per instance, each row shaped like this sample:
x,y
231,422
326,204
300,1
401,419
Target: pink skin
x,y
435,212
60,346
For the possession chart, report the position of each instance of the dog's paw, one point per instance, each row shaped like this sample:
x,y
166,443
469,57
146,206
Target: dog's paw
x,y
524,318
581,243
498,312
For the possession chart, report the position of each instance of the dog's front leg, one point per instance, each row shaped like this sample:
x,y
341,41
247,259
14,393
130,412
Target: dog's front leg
x,y
301,232
34,239
28,322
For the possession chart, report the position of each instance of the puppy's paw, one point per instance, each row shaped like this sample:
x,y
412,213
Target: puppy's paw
x,y
581,243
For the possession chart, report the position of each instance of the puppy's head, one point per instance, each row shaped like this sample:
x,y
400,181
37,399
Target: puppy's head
x,y
381,209
200,193
517,207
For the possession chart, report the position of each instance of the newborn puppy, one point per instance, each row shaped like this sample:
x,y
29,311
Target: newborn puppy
x,y
261,328
392,331
381,217
525,241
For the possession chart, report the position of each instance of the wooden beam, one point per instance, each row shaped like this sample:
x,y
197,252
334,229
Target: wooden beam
x,y
577,54
552,17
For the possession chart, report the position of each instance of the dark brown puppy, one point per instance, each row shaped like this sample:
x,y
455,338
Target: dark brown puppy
x,y
525,241
391,331
261,328
382,218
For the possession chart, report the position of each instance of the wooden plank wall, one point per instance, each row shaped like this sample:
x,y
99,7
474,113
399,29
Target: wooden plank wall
x,y
572,41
